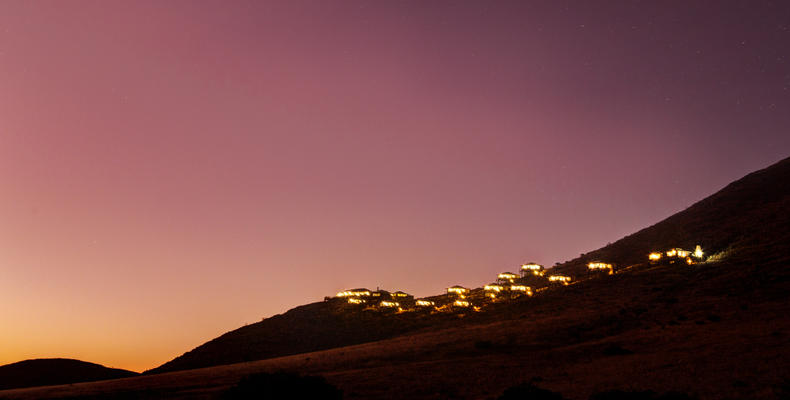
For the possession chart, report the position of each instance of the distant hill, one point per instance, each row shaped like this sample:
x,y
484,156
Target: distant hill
x,y
55,371
746,222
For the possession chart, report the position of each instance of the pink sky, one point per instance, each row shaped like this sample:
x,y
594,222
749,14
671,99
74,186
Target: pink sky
x,y
171,171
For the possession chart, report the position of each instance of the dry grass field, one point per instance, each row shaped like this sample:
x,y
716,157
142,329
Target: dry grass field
x,y
649,328
716,330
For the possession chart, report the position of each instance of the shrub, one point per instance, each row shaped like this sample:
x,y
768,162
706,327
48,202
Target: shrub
x,y
282,385
483,344
616,350
528,391
640,395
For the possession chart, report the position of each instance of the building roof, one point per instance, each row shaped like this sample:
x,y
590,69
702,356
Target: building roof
x,y
458,287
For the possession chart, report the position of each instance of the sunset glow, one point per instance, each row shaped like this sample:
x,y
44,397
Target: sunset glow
x,y
170,171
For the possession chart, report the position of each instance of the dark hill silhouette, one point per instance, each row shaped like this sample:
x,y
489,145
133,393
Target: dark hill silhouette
x,y
55,371
748,218
311,327
746,223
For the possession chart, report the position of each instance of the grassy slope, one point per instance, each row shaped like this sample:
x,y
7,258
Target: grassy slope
x,y
306,328
748,218
748,215
685,331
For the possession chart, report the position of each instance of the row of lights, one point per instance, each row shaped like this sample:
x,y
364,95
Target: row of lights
x,y
535,269
678,253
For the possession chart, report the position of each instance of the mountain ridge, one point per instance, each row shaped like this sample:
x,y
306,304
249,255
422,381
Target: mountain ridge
x,y
731,223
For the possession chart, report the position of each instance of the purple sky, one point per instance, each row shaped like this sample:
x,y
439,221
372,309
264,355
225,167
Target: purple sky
x,y
172,170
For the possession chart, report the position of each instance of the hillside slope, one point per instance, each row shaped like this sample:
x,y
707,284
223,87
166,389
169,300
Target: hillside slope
x,y
55,371
311,327
745,223
660,328
746,219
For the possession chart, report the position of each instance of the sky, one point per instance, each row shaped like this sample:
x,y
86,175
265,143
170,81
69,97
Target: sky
x,y
170,171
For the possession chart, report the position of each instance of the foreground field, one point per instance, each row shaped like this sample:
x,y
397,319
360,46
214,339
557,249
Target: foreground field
x,y
715,331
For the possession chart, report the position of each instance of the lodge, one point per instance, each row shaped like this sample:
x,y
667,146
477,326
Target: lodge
x,y
674,254
461,303
361,292
521,290
458,290
677,253
600,266
532,269
565,280
506,277
401,295
493,289
507,283
424,303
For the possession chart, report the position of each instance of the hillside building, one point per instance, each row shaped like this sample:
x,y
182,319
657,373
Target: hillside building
x,y
492,290
458,291
597,266
360,292
461,303
532,269
520,290
398,296
389,304
563,279
424,303
506,277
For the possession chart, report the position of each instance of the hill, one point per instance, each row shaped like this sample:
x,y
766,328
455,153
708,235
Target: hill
x,y
311,327
748,219
693,330
55,371
745,224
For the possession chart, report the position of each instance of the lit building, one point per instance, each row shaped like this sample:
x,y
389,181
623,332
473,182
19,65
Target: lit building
x,y
677,252
461,303
400,295
532,269
354,293
560,279
424,303
654,256
506,277
355,300
389,304
600,266
521,289
698,252
458,290
493,289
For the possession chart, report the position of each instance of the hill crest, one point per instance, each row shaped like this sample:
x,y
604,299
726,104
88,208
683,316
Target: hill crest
x,y
733,222
55,371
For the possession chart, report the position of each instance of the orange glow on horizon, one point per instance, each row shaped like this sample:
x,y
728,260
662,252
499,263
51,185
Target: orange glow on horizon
x,y
166,180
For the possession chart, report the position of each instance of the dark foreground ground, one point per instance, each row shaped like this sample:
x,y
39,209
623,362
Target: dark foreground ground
x,y
716,331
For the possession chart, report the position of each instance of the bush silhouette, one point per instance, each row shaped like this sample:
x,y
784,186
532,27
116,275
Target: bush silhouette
x,y
282,385
528,391
643,395
616,350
